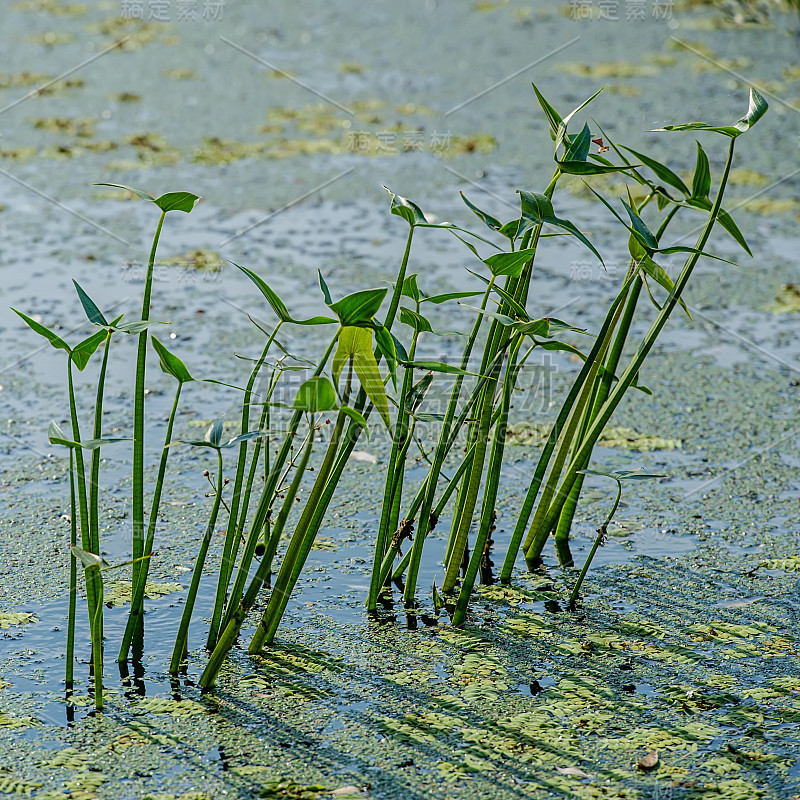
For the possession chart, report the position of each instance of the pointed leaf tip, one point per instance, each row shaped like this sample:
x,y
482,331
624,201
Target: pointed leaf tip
x,y
93,313
404,208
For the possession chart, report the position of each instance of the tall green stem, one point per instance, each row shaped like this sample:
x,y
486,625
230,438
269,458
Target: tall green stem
x,y
140,583
180,651
553,438
138,414
601,393
302,539
232,536
266,500
94,585
628,377
73,576
490,492
443,446
392,485
94,480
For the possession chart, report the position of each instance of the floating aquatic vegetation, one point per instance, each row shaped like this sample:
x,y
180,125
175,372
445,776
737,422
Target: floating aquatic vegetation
x,y
118,593
767,206
787,300
12,619
612,69
51,38
168,705
203,260
531,433
9,785
71,126
54,7
742,176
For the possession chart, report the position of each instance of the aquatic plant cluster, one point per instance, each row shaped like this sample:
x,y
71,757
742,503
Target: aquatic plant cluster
x,y
369,377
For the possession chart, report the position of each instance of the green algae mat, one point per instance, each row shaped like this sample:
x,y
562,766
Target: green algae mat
x,y
657,688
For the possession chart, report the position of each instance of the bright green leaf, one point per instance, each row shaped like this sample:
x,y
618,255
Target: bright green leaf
x,y
757,108
488,219
416,395
410,288
177,201
701,180
355,345
404,208
84,350
171,364
663,172
316,394
93,313
277,304
358,308
55,340
510,264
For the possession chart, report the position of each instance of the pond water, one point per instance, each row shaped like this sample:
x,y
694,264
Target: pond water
x,y
287,121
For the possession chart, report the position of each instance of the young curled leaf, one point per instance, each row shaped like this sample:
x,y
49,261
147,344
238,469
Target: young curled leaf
x,y
410,288
356,417
404,208
758,106
213,435
88,559
56,436
355,345
415,320
385,344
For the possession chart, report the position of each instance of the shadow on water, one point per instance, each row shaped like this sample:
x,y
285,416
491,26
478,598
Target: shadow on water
x,y
32,656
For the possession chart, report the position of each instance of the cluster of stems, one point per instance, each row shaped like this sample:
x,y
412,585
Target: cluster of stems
x,y
347,392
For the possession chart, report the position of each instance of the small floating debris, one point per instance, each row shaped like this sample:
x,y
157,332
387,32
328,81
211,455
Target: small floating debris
x,y
787,300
